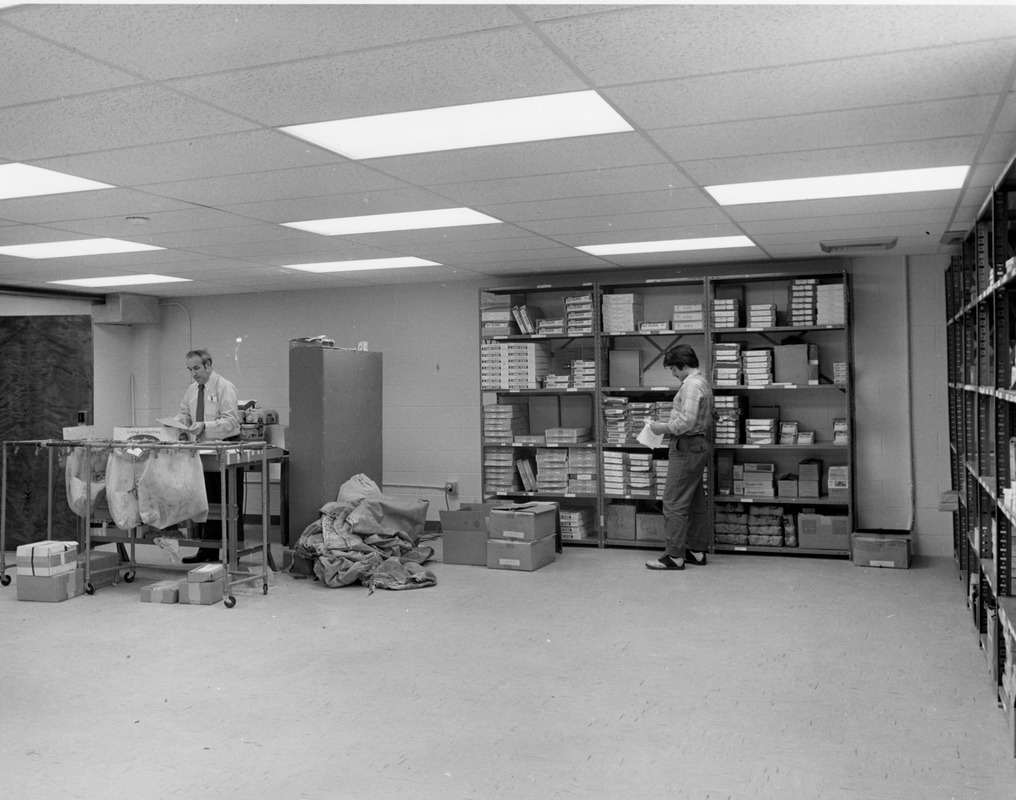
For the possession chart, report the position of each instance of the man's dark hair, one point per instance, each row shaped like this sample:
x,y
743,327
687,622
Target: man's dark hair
x,y
204,355
681,356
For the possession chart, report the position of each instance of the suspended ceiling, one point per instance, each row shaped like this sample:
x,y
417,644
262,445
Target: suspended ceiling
x,y
179,106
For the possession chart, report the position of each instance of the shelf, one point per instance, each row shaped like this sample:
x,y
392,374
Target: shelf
x,y
587,445
639,389
819,446
796,501
794,551
770,387
647,334
547,392
780,329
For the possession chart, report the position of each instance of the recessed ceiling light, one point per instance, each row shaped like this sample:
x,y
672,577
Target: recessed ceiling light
x,y
75,247
365,264
859,185
21,180
673,245
124,280
402,221
525,119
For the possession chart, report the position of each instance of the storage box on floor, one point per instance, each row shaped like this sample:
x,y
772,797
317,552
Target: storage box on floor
x,y
464,534
47,571
522,537
890,549
823,532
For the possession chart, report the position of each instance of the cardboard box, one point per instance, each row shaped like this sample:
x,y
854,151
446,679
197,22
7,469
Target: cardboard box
x,y
625,367
47,558
201,593
471,517
795,364
621,521
810,469
465,547
104,567
872,549
650,527
520,556
206,573
161,592
525,522
786,486
820,532
808,488
52,589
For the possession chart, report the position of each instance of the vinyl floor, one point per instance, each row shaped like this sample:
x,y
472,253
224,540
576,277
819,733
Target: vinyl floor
x,y
754,677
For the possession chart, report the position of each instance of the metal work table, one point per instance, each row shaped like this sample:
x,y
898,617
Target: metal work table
x,y
229,459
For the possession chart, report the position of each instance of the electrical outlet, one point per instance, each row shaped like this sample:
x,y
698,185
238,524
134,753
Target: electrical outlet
x,y
451,487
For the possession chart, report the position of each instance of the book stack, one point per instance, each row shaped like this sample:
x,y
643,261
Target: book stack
x,y
525,364
758,430
841,432
496,318
583,373
527,473
641,477
530,440
499,475
617,424
802,304
730,411
727,363
526,317
550,327
578,315
503,422
552,470
762,315
576,523
621,312
688,317
615,472
491,354
552,381
726,313
640,412
582,471
758,367
568,435
831,304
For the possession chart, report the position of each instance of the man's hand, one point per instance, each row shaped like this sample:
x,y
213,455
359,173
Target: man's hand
x,y
196,429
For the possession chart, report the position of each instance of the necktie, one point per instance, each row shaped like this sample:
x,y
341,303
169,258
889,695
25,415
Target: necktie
x,y
199,411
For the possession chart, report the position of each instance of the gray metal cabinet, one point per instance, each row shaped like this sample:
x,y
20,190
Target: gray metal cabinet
x,y
334,426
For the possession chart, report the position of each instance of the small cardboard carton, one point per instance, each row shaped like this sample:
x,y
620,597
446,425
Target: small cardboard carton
x,y
621,521
464,534
161,592
203,593
47,558
820,532
520,556
103,565
51,589
871,549
525,522
206,573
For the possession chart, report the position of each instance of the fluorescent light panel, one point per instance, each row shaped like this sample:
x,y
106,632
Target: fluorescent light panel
x,y
525,119
75,247
364,264
21,180
124,280
859,185
673,245
402,221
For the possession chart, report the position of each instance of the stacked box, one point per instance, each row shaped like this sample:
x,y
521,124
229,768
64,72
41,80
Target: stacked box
x,y
788,432
552,381
796,364
765,525
567,435
502,422
809,477
499,474
622,313
841,431
496,318
621,521
552,470
730,411
464,534
726,313
831,304
491,354
577,523
841,373
551,326
730,524
838,481
522,537
47,558
583,471
760,429
615,472
617,422
583,373
578,315
641,478
757,366
530,439
802,303
660,470
762,315
654,327
759,480
51,588
786,486
514,365
688,317
206,593
727,363
161,592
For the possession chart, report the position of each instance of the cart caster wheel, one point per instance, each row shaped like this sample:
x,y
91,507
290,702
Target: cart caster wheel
x,y
128,577
89,589
230,601
5,580
264,588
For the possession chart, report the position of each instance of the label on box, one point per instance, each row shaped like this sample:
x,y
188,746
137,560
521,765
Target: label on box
x,y
509,562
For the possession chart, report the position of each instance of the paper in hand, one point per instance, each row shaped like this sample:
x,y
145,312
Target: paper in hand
x,y
648,438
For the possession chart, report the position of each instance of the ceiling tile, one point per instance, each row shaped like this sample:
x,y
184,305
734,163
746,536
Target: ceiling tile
x,y
468,69
344,205
86,205
632,203
191,220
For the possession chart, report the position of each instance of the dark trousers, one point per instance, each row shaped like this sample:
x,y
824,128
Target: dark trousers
x,y
684,499
213,488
